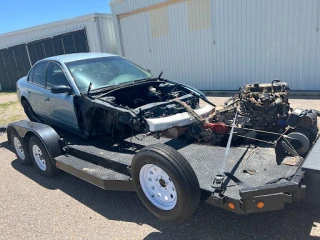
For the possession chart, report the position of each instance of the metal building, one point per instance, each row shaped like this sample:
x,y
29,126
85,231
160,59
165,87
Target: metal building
x,y
223,44
19,50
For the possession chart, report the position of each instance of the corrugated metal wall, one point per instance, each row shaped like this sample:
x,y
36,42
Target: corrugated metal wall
x,y
235,42
108,38
16,61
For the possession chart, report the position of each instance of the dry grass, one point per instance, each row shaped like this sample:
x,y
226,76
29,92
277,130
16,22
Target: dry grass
x,y
10,109
6,93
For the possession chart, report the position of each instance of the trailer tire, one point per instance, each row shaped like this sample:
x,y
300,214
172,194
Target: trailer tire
x,y
40,158
20,147
165,182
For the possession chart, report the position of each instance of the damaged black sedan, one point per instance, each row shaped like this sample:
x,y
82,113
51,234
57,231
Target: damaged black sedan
x,y
95,94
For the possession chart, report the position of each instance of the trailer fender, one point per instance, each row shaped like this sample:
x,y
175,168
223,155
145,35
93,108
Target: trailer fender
x,y
48,136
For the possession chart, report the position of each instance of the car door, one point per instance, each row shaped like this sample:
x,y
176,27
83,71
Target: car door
x,y
37,79
59,107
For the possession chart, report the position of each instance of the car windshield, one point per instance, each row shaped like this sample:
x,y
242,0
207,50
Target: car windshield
x,y
105,72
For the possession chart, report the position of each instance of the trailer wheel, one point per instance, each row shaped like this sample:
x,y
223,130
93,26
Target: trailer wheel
x,y
20,147
165,182
40,158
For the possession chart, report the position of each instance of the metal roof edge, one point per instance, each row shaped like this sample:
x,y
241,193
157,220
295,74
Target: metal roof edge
x,y
115,2
57,23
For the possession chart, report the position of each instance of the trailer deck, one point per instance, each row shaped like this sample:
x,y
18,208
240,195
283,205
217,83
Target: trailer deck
x,y
253,180
253,164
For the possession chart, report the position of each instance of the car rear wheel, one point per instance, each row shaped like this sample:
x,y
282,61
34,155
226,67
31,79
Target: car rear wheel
x,y
29,112
165,183
40,158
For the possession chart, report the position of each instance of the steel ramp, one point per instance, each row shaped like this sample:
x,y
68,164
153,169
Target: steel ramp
x,y
102,177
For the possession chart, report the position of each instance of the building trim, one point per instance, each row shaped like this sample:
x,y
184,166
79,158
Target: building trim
x,y
58,23
149,8
49,36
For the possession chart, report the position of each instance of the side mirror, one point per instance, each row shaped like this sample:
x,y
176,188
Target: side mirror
x,y
61,89
148,70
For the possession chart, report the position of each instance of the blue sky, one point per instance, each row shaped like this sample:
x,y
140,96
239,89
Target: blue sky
x,y
19,14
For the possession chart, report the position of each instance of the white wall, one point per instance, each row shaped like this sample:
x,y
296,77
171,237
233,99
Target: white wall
x,y
108,38
235,42
90,22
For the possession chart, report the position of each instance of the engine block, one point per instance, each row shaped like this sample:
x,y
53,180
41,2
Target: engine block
x,y
259,106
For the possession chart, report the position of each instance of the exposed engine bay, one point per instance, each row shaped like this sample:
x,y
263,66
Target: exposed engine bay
x,y
153,99
142,107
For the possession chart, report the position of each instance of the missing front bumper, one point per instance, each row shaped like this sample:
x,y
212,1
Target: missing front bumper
x,y
177,120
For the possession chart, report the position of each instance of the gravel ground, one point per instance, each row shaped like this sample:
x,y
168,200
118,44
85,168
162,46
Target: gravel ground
x,y
64,207
10,97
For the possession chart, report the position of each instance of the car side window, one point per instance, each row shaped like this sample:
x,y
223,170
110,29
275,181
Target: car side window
x,y
39,75
55,76
30,77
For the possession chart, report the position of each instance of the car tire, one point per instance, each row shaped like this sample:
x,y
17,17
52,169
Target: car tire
x,y
165,182
40,157
21,149
29,112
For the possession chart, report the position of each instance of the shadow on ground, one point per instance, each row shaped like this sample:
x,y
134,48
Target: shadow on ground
x,y
208,222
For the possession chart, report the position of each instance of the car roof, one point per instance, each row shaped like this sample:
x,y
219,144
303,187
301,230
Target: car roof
x,y
77,56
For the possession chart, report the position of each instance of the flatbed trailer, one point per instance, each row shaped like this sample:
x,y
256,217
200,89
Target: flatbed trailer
x,y
253,181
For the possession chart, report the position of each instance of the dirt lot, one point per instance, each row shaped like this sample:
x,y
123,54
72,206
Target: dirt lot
x,y
10,109
64,207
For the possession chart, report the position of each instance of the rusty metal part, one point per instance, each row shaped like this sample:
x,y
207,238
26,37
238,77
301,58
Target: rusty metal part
x,y
190,111
219,127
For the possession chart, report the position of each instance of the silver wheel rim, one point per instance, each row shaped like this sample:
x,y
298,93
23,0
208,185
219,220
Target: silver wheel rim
x,y
158,187
18,147
38,157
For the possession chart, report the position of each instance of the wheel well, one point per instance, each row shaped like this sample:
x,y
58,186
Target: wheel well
x,y
99,121
23,99
28,136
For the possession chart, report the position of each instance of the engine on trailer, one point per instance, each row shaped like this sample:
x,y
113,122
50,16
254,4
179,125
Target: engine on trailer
x,y
259,106
262,111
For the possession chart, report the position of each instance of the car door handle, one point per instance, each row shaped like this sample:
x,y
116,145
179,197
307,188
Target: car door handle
x,y
47,99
